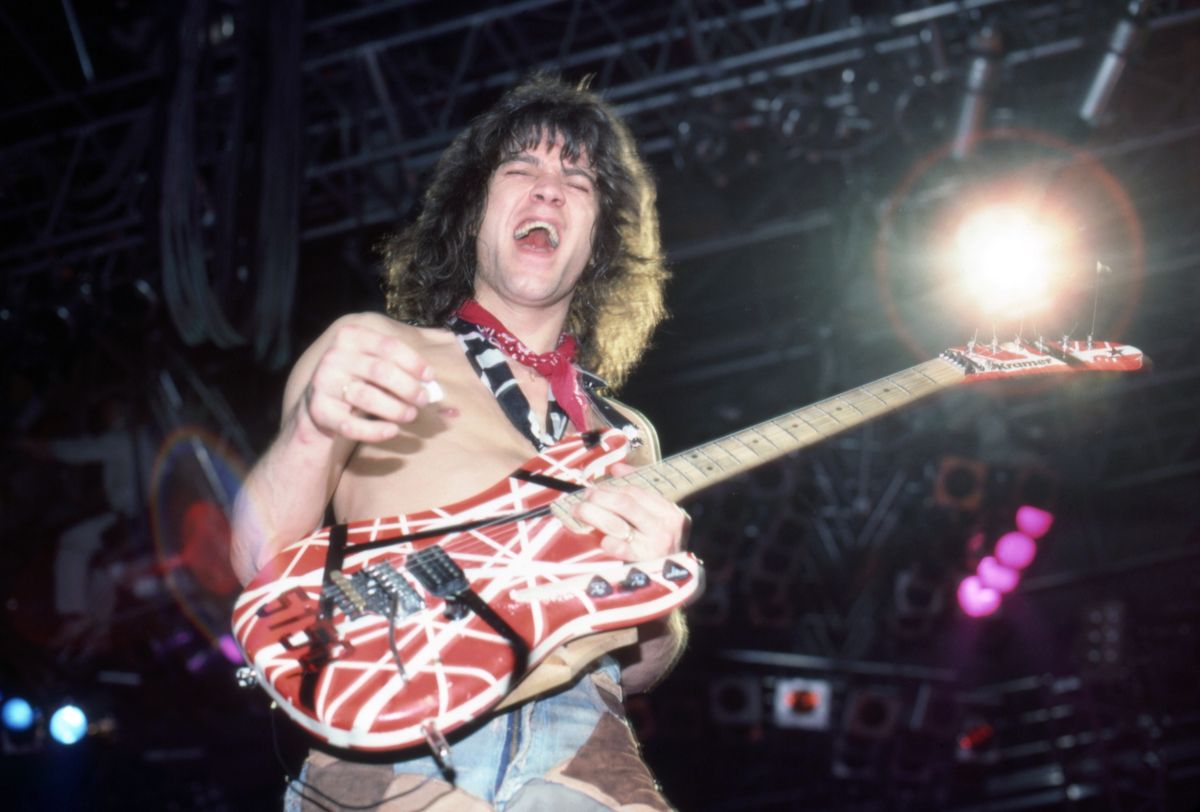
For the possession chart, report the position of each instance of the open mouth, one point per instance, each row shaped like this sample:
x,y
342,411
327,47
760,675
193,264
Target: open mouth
x,y
537,234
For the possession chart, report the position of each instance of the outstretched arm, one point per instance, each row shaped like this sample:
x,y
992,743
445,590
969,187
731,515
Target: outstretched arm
x,y
358,383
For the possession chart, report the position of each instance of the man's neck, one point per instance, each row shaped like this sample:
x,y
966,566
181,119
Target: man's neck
x,y
538,328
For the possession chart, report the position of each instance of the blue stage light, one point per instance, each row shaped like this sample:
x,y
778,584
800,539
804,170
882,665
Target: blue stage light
x,y
68,724
18,714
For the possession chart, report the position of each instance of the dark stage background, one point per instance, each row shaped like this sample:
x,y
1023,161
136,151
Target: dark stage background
x,y
191,191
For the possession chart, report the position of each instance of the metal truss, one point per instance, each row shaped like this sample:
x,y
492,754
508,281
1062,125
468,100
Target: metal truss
x,y
387,85
805,552
380,106
688,77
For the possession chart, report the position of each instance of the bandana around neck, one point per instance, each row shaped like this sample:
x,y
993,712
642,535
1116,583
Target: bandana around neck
x,y
555,366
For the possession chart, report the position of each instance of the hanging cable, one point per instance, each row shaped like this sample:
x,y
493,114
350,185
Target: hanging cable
x,y
279,201
194,310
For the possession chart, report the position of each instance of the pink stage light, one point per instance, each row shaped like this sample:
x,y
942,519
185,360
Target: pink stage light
x,y
976,599
1015,550
994,575
1034,522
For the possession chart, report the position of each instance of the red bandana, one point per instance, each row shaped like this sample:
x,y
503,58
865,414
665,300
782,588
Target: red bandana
x,y
555,366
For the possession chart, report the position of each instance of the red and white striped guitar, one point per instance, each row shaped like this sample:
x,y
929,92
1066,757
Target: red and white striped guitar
x,y
387,633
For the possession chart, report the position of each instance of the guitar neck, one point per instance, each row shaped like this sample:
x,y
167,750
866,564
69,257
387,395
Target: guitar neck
x,y
689,472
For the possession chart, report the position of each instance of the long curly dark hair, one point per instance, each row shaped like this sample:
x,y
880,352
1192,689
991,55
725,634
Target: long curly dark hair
x,y
430,264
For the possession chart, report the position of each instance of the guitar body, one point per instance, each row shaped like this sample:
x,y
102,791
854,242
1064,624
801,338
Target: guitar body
x,y
314,623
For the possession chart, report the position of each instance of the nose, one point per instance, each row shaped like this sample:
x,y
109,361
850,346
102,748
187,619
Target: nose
x,y
549,189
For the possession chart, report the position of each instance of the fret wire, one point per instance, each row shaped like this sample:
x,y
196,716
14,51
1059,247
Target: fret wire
x,y
703,469
926,369
747,446
817,407
702,451
860,404
713,464
670,464
810,425
666,471
896,383
843,399
641,475
869,393
758,430
803,421
730,438
886,386
915,380
774,423
872,394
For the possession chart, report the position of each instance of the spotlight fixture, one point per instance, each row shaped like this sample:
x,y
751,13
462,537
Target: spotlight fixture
x,y
802,703
988,47
1127,37
735,700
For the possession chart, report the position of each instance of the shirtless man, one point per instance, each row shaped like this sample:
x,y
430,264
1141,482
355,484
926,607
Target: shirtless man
x,y
542,214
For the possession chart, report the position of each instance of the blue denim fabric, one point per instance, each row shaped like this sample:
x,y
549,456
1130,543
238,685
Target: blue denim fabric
x,y
497,760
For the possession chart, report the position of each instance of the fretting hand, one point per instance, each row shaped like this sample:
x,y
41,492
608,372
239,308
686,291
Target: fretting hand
x,y
638,523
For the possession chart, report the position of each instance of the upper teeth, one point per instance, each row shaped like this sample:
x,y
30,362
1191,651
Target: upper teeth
x,y
525,228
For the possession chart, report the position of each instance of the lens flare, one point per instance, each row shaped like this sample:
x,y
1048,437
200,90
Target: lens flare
x,y
68,724
1034,522
1015,550
976,599
1006,260
995,575
18,714
196,478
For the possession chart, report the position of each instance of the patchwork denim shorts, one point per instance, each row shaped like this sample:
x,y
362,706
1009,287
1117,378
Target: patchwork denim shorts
x,y
572,750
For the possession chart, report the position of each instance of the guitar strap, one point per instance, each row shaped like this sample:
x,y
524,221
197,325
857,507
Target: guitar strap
x,y
493,370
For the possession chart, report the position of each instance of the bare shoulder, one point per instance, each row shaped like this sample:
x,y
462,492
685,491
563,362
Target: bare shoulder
x,y
650,451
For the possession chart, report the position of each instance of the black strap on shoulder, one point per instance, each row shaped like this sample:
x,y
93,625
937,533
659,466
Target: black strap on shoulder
x,y
492,367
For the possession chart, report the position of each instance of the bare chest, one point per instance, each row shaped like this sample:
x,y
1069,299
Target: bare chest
x,y
455,449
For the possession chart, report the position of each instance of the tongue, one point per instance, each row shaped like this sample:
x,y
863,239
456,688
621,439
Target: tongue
x,y
537,238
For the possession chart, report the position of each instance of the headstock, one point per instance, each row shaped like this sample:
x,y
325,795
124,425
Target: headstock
x,y
1022,357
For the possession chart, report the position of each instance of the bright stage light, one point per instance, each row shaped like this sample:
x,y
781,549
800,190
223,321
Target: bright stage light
x,y
1007,261
976,599
18,714
995,575
1034,522
68,725
1015,550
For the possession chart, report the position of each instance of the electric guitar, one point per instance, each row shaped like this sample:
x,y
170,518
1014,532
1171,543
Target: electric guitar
x,y
388,633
